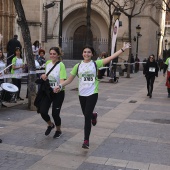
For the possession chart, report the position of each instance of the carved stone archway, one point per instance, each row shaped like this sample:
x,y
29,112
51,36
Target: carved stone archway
x,y
79,41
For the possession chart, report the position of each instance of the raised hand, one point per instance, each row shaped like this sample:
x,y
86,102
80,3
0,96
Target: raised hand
x,y
126,46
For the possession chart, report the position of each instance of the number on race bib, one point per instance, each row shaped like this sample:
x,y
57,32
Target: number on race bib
x,y
151,69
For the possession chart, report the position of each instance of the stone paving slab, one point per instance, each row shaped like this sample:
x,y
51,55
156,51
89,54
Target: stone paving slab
x,y
15,114
134,150
17,161
146,115
134,128
88,166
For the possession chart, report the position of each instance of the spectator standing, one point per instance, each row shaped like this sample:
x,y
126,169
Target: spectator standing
x,y
17,68
137,64
132,64
2,65
11,45
41,58
160,64
35,48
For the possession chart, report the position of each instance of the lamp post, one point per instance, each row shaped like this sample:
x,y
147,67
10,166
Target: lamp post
x,y
61,24
116,14
138,29
158,36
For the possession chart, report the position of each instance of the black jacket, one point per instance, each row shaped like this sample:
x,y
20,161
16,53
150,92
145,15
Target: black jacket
x,y
44,91
12,44
151,69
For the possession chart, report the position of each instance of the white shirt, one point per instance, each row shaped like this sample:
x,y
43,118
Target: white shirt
x,y
2,67
87,75
35,50
54,76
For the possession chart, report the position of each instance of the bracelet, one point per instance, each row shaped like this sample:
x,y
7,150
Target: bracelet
x,y
122,50
60,86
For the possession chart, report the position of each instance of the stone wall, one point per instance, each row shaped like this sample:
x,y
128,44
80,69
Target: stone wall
x,y
7,19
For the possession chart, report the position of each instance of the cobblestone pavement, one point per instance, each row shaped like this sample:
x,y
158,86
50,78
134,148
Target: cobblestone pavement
x,y
133,131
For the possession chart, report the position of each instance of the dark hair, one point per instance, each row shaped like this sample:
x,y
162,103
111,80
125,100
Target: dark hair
x,y
35,43
153,57
15,36
58,51
91,48
41,51
16,49
3,57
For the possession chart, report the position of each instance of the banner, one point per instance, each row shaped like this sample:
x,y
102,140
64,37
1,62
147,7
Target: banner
x,y
114,35
20,74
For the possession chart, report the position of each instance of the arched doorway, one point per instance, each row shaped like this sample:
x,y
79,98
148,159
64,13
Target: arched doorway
x,y
79,41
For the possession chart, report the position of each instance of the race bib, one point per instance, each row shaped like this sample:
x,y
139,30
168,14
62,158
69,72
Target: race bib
x,y
88,78
53,83
151,69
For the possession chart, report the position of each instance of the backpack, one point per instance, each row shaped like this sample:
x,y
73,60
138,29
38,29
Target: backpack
x,y
79,65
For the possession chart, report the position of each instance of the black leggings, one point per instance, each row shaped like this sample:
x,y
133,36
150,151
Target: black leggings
x,y
57,102
17,82
87,105
150,82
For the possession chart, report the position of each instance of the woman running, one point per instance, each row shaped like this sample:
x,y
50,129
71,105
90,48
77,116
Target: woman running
x,y
88,86
150,72
56,76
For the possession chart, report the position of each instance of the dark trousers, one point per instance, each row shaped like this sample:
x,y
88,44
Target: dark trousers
x,y
87,105
168,90
57,102
150,82
17,82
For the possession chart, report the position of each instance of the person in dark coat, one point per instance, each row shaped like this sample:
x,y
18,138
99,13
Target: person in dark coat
x,y
137,64
11,46
132,64
150,72
160,64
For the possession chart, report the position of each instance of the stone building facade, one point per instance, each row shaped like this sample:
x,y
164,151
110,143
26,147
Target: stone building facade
x,y
7,21
44,26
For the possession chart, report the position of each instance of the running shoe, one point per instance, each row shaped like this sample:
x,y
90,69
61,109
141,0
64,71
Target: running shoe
x,y
49,128
85,144
57,134
94,119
